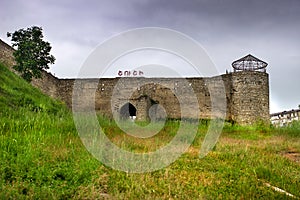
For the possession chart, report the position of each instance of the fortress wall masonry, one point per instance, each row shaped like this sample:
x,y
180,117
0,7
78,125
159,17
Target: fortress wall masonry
x,y
6,54
246,93
250,97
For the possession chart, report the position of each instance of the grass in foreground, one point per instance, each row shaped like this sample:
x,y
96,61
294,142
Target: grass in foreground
x,y
42,157
46,160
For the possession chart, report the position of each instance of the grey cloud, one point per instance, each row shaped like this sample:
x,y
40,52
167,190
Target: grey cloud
x,y
228,29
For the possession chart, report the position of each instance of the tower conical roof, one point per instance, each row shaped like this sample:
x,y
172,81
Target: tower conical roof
x,y
249,63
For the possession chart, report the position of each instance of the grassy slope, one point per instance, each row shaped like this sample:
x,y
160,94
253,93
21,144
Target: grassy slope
x,y
42,157
38,144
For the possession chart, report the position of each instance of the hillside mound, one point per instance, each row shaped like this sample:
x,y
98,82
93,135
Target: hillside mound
x,y
16,93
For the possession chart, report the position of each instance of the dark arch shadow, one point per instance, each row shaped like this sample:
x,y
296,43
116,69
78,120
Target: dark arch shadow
x,y
127,111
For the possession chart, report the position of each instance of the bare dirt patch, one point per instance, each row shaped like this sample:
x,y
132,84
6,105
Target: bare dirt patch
x,y
293,155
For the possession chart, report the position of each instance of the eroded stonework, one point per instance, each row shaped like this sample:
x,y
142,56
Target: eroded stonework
x,y
246,94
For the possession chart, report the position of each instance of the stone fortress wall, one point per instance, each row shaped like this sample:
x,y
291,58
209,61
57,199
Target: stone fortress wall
x,y
247,93
6,54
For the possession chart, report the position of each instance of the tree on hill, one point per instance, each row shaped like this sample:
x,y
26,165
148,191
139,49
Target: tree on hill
x,y
32,54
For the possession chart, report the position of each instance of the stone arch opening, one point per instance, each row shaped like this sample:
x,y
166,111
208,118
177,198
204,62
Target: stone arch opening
x,y
128,111
155,113
149,109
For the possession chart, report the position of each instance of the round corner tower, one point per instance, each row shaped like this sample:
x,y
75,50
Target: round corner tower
x,y
250,91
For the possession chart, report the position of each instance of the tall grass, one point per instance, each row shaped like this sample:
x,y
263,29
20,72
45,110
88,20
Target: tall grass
x,y
42,157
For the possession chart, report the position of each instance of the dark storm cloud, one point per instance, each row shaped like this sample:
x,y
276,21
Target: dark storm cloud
x,y
229,15
227,29
230,29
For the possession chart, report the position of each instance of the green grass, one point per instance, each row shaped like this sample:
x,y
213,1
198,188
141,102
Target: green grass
x,y
42,157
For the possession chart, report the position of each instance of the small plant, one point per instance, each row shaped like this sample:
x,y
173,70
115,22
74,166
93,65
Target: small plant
x,y
262,126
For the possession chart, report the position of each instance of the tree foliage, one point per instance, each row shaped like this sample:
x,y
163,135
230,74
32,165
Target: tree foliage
x,y
32,54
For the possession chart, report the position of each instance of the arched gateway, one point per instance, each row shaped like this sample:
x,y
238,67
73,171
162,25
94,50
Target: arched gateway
x,y
246,90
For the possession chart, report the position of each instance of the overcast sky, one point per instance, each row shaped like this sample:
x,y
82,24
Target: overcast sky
x,y
227,30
